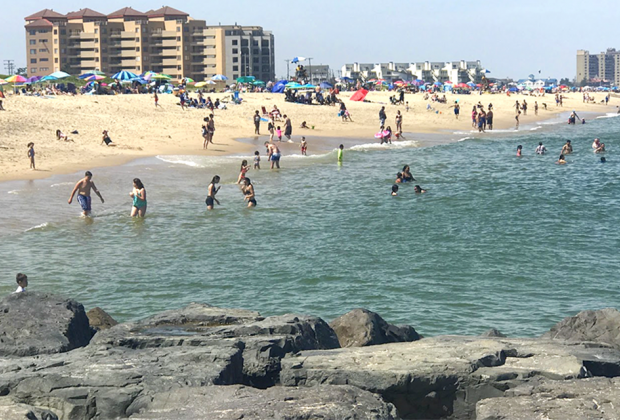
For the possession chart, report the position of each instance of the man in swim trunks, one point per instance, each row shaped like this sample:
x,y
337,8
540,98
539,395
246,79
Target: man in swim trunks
x,y
567,148
274,154
83,188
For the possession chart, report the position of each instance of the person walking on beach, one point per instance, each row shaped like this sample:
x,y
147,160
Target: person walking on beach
x,y
382,117
156,98
524,107
211,191
288,127
490,119
205,134
474,117
138,194
271,127
457,110
211,128
31,155
83,188
517,118
399,123
248,192
517,107
257,123
274,154
535,107
567,149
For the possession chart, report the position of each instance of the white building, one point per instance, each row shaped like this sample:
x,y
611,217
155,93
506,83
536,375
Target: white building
x,y
454,71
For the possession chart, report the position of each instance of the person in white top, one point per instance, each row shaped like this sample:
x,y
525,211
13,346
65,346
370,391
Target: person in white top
x,y
540,150
596,144
22,283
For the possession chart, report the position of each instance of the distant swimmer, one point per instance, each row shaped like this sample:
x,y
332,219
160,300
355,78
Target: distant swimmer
x,y
274,154
257,160
418,190
83,188
407,177
561,160
394,190
399,178
139,199
567,148
340,153
248,191
603,160
600,149
212,189
519,150
596,144
541,150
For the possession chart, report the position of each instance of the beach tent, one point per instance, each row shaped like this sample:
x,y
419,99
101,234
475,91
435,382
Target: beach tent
x,y
279,86
359,95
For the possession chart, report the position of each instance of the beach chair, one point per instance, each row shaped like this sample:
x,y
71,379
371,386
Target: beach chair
x,y
265,113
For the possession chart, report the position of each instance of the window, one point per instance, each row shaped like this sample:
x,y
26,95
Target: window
x,y
62,41
265,43
33,61
235,76
33,69
137,39
64,60
33,42
235,68
104,59
138,68
33,51
178,57
178,29
96,50
63,32
137,30
137,58
104,30
235,42
187,57
44,59
186,29
42,69
55,42
42,49
55,50
178,38
137,49
255,51
96,31
255,60
255,43
96,40
235,50
235,59
33,32
56,60
178,48
63,50
179,68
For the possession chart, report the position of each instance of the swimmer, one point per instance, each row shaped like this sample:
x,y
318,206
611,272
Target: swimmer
x,y
407,177
596,144
541,150
603,160
394,190
561,160
399,178
211,191
340,152
519,149
601,148
567,148
83,188
418,190
139,199
22,283
257,160
244,169
248,191
274,154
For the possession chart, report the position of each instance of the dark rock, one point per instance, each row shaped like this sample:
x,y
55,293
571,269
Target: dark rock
x,y
602,326
492,333
362,327
593,398
36,323
446,376
240,402
100,319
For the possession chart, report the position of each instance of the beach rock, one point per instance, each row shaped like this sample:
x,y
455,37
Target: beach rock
x,y
602,326
446,376
195,346
12,410
492,333
37,323
100,319
361,327
240,402
593,398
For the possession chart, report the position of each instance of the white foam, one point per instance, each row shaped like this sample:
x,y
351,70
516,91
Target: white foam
x,y
41,226
14,192
609,115
405,144
61,184
198,161
465,138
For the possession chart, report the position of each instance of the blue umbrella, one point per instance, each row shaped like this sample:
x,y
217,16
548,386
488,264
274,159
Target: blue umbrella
x,y
437,83
219,77
471,84
47,78
124,75
325,85
347,80
513,89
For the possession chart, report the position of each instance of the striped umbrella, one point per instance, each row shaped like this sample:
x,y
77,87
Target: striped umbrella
x,y
16,78
124,75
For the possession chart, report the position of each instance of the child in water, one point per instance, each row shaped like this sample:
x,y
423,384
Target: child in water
x,y
561,160
243,170
394,190
279,133
304,146
340,152
519,149
256,160
418,190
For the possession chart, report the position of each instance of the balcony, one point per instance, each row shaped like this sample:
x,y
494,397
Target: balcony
x,y
169,62
129,43
164,34
127,53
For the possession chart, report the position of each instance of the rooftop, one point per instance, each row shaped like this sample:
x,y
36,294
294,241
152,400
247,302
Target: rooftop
x,y
85,14
45,14
166,12
40,23
127,12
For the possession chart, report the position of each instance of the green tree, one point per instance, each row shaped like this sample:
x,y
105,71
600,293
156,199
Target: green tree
x,y
22,71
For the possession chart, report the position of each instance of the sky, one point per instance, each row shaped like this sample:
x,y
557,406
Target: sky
x,y
510,38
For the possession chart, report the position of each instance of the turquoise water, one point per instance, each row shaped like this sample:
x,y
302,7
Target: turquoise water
x,y
498,241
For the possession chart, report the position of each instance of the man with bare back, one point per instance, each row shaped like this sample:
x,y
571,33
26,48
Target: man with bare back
x,y
83,188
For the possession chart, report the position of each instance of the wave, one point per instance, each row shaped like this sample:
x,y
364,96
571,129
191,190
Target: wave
x,y
13,192
405,144
37,227
61,184
608,115
198,161
465,138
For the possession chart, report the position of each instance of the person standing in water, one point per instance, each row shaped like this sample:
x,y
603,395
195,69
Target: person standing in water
x,y
561,160
567,149
340,153
304,146
519,150
242,171
274,154
83,188
211,191
248,192
517,118
394,190
22,283
541,150
31,155
139,198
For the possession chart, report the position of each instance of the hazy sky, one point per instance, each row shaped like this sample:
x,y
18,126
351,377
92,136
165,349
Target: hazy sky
x,y
512,39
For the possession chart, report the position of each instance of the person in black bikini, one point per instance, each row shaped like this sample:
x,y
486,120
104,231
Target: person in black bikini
x,y
248,191
211,191
107,140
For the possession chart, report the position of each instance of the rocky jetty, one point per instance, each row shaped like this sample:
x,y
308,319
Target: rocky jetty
x,y
206,362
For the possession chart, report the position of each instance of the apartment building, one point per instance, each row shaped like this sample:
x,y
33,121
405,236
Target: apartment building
x,y
603,67
165,40
250,51
454,71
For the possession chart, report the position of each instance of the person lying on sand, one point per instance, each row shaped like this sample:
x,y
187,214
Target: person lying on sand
x,y
62,136
107,140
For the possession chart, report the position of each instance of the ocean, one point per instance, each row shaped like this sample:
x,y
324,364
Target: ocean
x,y
497,241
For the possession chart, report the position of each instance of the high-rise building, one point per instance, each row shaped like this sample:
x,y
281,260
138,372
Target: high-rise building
x,y
597,68
165,40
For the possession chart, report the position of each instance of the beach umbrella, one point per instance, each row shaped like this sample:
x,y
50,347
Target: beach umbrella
x,y
308,86
292,85
325,85
160,76
33,79
16,78
124,75
448,83
3,82
47,78
219,77
210,82
60,74
258,83
246,79
188,80
200,84
438,83
93,77
348,80
418,82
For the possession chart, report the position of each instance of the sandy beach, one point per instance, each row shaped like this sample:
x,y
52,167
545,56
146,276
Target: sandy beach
x,y
141,130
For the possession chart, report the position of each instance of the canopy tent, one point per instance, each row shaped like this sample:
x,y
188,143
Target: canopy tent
x,y
359,95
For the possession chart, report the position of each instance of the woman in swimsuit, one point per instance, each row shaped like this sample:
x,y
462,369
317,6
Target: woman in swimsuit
x,y
244,169
407,177
107,140
139,199
211,191
248,191
519,150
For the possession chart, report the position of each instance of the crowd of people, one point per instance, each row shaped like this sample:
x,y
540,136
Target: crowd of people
x,y
567,149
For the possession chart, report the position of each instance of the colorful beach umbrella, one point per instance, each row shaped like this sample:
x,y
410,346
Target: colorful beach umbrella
x,y
33,79
219,77
94,77
3,82
160,76
16,78
188,80
124,75
200,84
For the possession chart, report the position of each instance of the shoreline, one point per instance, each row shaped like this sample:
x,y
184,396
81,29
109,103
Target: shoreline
x,y
232,142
